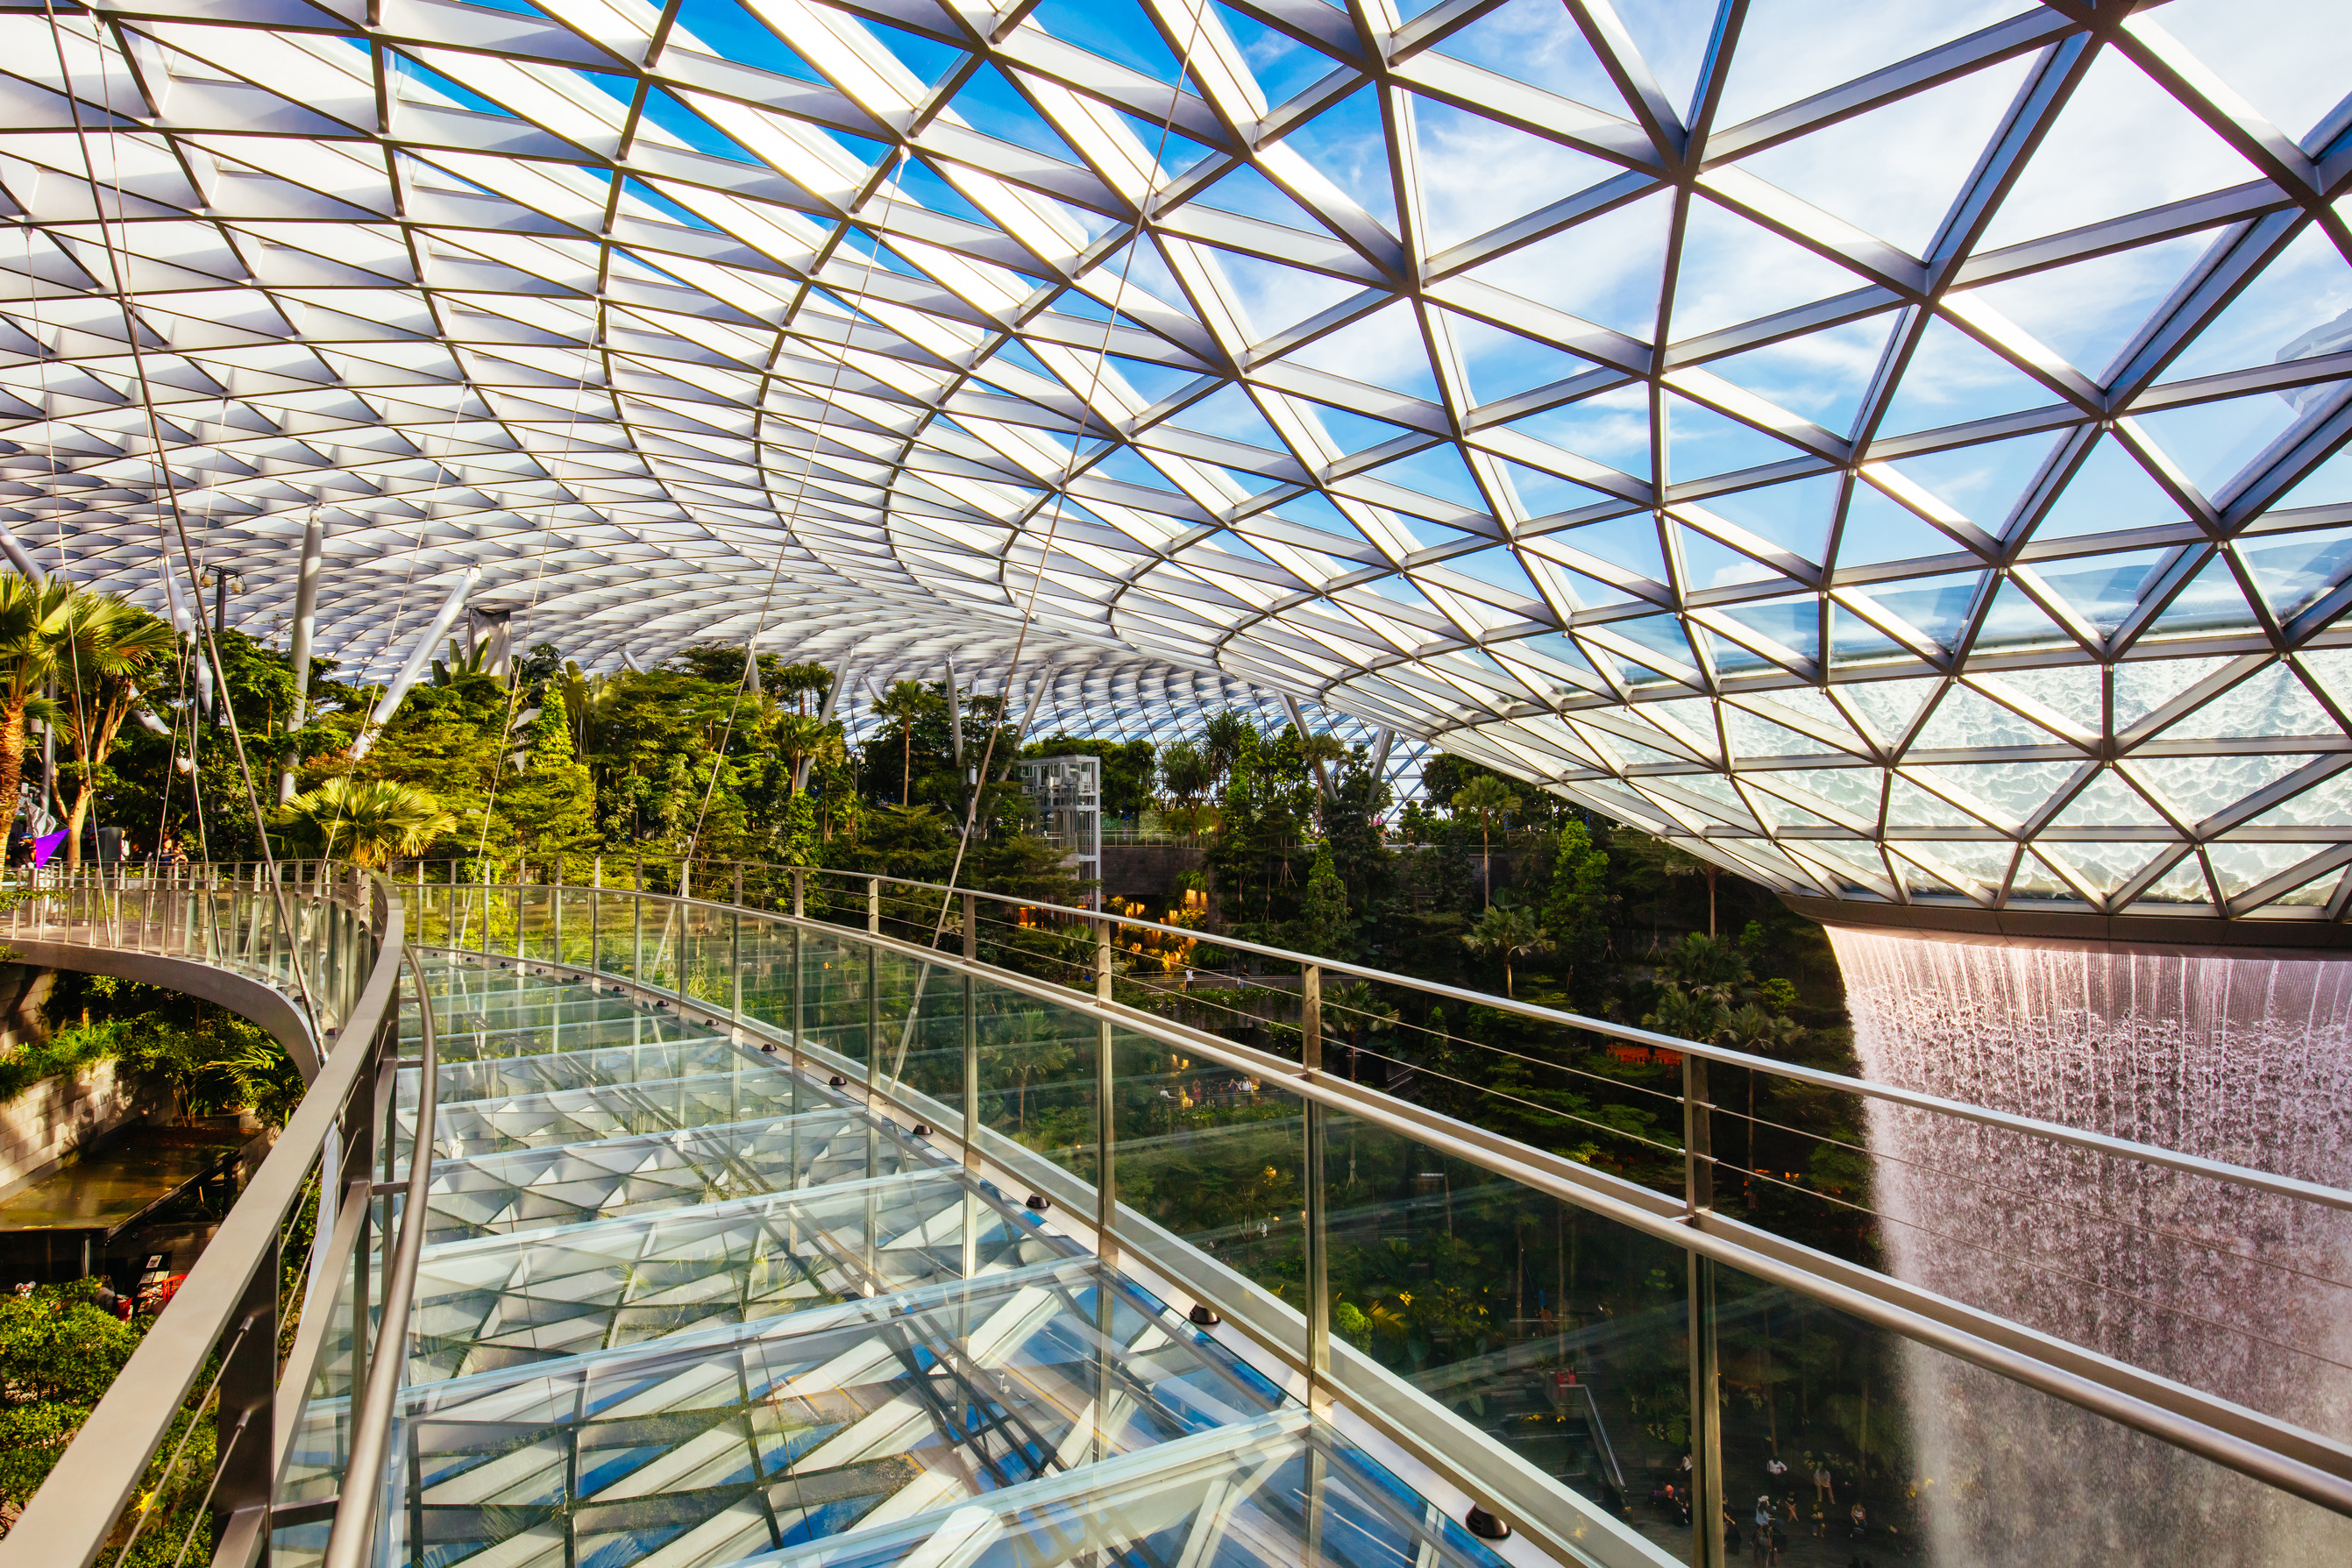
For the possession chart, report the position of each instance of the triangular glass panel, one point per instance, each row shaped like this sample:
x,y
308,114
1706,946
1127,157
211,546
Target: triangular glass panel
x,y
1273,299
1611,427
2332,668
2316,894
2105,865
2240,868
2212,602
2215,445
2089,312
925,59
1228,412
1438,472
1887,707
1671,36
1703,442
991,105
1708,563
1917,879
1878,529
2122,143
1662,634
1792,623
1967,720
1383,349
1115,29
1854,641
1981,483
2036,879
2292,310
2293,87
1542,494
1821,375
2327,804
2269,705
2184,883
1347,145
1893,172
2012,791
1732,271
1952,379
1281,64
1352,432
1498,568
1854,791
1793,516
1536,42
1242,189
1631,542
2074,692
725,30
2196,788
1853,864
1604,270
1501,364
2144,685
1908,806
1755,737
2015,622
2107,493
2295,569
1782,813
2108,801
2103,589
1934,607
1982,860
1478,174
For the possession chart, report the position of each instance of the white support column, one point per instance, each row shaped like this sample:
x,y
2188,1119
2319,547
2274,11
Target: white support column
x,y
20,557
306,626
420,655
840,684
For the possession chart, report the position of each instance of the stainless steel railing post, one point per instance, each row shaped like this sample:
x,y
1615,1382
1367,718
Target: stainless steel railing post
x,y
1315,1217
1706,1400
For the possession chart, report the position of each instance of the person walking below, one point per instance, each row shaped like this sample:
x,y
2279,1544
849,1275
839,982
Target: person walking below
x,y
1823,1492
1763,1525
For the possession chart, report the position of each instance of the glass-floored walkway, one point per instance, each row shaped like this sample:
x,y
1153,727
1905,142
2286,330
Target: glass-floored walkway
x,y
681,1306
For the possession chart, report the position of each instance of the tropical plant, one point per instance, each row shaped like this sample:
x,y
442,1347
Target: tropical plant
x,y
904,705
1487,796
106,646
1509,931
365,824
804,738
32,620
1320,751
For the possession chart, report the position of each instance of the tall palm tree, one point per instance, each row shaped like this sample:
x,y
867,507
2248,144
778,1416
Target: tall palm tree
x,y
106,647
365,824
32,616
1322,751
1485,795
902,705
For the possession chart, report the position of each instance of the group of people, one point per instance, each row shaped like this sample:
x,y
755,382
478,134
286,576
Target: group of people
x,y
1777,1515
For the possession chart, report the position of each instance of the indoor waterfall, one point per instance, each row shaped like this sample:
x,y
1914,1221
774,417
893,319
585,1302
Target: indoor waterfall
x,y
2241,1059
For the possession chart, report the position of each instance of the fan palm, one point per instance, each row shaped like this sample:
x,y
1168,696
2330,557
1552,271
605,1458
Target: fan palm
x,y
32,619
366,824
804,738
106,647
1509,931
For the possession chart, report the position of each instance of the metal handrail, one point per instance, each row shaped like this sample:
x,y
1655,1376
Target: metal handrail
x,y
2305,1464
1895,1094
351,1538
231,1289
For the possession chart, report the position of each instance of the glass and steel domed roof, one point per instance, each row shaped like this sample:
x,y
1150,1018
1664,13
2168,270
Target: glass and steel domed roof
x,y
1893,449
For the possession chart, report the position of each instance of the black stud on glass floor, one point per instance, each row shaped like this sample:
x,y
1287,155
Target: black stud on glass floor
x,y
1038,1201
838,1082
1204,1317
1485,1525
921,1130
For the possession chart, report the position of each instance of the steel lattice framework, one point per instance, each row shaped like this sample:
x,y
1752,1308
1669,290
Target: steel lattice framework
x,y
1890,449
